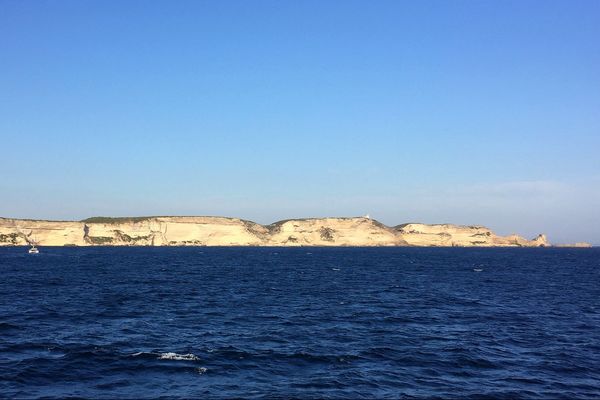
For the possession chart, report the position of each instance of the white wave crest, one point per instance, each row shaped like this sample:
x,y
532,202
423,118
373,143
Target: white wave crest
x,y
178,357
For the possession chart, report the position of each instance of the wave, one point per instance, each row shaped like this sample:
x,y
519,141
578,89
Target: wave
x,y
166,356
178,357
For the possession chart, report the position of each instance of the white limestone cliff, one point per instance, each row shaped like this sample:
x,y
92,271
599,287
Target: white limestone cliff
x,y
464,236
222,231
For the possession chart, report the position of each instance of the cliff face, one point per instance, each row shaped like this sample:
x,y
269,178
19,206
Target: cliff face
x,y
333,232
49,233
460,235
176,231
221,231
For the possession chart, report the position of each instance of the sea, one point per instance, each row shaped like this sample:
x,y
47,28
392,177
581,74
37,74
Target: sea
x,y
244,322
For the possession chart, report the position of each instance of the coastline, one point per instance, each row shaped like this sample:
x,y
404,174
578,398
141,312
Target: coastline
x,y
228,231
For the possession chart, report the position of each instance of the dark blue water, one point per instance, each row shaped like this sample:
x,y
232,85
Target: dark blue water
x,y
300,322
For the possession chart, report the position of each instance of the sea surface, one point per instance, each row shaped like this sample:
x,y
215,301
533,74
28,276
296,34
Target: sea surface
x,y
300,322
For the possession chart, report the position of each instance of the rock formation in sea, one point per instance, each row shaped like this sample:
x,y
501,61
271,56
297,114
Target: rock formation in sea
x,y
222,231
578,244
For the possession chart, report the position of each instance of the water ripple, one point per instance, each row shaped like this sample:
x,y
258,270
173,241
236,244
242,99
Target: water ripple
x,y
335,323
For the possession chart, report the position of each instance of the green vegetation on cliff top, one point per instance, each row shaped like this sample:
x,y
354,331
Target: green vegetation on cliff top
x,y
114,220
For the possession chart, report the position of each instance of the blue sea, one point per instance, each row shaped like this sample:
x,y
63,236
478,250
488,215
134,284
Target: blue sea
x,y
300,322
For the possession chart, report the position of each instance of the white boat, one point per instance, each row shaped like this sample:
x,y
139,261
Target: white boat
x,y
33,249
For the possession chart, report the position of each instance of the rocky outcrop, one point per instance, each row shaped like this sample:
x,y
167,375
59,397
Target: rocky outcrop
x,y
578,244
222,231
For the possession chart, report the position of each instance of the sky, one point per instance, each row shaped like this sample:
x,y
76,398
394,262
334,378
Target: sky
x,y
466,112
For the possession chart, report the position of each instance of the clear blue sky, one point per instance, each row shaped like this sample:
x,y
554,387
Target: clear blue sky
x,y
469,112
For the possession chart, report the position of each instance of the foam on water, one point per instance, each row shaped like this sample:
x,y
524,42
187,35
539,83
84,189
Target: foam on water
x,y
178,357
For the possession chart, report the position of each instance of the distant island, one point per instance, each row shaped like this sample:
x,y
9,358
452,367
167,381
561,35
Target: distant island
x,y
223,231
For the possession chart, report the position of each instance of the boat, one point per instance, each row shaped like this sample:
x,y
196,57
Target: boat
x,y
33,249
